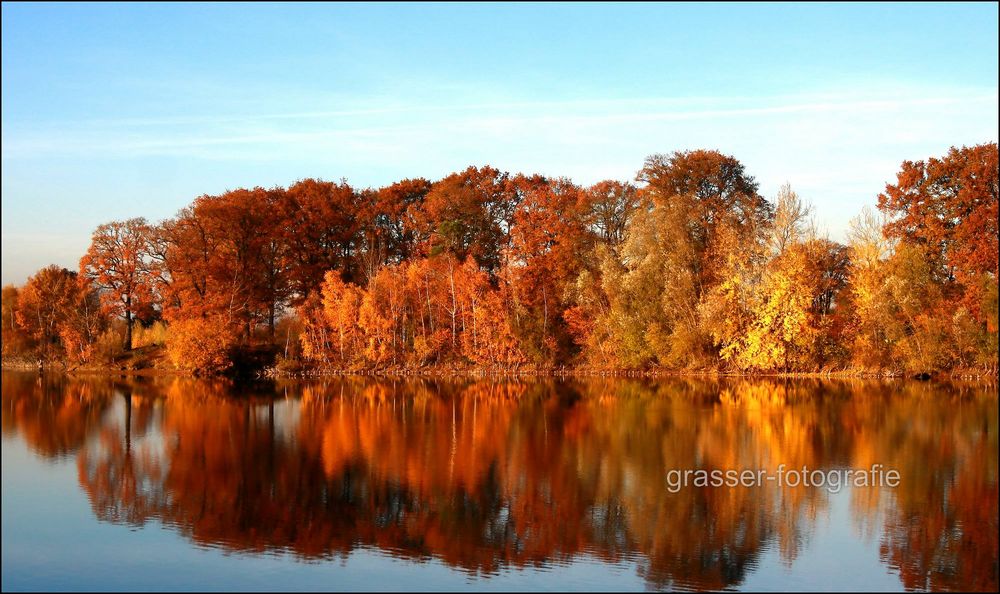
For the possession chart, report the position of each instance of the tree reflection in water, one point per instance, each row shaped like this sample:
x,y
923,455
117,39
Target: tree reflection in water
x,y
493,474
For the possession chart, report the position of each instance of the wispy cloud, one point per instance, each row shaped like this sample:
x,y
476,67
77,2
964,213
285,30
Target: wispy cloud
x,y
209,136
837,150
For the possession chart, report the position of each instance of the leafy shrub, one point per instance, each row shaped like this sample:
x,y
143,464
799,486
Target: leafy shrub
x,y
108,347
153,335
290,366
200,345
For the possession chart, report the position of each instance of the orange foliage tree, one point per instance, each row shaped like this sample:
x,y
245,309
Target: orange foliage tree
x,y
117,263
549,238
60,313
16,341
340,306
470,214
319,223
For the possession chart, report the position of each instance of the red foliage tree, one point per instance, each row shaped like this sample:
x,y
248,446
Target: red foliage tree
x,y
948,206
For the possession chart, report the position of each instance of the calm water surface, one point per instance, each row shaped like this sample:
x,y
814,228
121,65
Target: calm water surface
x,y
496,485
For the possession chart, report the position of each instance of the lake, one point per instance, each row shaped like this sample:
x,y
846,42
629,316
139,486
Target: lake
x,y
368,483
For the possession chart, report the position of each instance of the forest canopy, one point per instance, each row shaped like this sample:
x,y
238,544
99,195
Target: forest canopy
x,y
688,268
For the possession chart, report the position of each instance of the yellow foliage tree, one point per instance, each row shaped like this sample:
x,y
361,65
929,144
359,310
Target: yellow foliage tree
x,y
341,302
782,327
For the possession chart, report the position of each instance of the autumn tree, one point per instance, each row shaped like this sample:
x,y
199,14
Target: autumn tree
x,y
272,287
223,256
387,224
948,207
919,331
319,225
549,237
733,306
440,294
609,206
117,263
831,260
636,288
791,217
83,324
54,304
470,214
708,191
871,322
705,207
314,337
238,220
15,341
782,328
422,280
340,306
184,248
382,316
943,278
894,307
601,319
772,307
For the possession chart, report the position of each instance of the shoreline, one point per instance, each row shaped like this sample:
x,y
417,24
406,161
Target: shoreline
x,y
562,372
90,370
635,374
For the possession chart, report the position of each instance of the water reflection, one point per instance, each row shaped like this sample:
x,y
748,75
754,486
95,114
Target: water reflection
x,y
495,474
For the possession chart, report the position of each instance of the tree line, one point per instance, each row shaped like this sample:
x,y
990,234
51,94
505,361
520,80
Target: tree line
x,y
688,268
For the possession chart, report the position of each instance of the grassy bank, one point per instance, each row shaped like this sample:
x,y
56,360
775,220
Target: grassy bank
x,y
259,361
585,371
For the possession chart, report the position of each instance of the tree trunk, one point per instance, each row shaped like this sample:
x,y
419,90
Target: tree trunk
x,y
270,321
454,302
128,326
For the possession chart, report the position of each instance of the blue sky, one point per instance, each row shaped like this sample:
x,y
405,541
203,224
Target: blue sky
x,y
115,111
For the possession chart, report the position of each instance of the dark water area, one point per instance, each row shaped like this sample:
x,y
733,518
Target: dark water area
x,y
375,484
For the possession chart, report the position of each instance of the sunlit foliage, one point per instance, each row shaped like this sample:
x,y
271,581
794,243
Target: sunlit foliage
x,y
691,268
